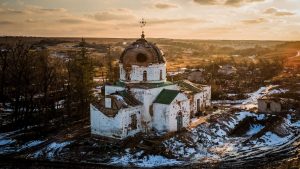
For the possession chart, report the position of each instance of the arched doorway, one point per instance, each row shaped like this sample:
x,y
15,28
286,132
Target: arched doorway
x,y
145,75
198,106
179,121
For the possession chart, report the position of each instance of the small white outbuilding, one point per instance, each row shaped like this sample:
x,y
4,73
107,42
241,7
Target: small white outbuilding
x,y
270,105
171,111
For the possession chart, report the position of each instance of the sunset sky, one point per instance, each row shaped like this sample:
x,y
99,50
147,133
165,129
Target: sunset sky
x,y
184,19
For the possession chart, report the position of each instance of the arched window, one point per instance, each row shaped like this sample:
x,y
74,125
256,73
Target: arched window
x,y
145,75
160,75
133,124
127,76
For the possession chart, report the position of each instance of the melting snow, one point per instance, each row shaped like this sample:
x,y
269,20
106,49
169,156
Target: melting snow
x,y
254,129
254,96
6,141
51,150
55,148
145,161
211,141
251,102
271,139
30,144
296,124
8,145
242,115
277,91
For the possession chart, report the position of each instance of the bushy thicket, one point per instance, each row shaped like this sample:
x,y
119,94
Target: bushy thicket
x,y
37,89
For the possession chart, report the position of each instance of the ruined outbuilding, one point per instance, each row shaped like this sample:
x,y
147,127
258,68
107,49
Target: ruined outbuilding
x,y
270,105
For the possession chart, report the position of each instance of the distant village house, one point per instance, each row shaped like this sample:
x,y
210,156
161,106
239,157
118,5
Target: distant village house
x,y
227,70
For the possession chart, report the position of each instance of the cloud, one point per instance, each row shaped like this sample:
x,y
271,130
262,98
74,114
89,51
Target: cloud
x,y
3,23
155,22
71,21
277,12
169,21
38,9
30,20
29,9
226,2
10,11
114,14
254,21
241,2
165,5
208,2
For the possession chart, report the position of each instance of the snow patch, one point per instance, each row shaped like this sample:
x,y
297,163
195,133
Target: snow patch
x,y
55,148
254,129
271,139
51,150
5,141
296,124
277,91
145,161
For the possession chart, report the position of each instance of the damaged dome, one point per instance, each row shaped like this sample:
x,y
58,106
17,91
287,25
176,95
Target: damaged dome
x,y
142,53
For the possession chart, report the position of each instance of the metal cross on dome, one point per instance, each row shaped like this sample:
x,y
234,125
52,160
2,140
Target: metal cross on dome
x,y
142,25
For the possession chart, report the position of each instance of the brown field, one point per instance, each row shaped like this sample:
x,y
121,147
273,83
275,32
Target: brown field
x,y
183,53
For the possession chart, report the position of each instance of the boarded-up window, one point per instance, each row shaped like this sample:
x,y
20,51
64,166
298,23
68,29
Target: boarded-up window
x,y
133,124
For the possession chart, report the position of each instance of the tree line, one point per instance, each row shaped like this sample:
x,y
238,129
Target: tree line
x,y
37,89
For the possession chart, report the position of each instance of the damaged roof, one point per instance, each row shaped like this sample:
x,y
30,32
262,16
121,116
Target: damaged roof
x,y
128,98
119,100
274,99
189,86
166,96
142,53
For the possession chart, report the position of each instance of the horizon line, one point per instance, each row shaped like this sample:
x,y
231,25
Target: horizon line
x,y
89,37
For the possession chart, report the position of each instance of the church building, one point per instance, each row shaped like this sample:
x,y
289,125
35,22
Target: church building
x,y
143,100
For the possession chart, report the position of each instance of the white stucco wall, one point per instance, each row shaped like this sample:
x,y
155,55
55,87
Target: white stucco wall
x,y
147,97
115,127
160,116
180,103
136,73
194,101
275,107
207,95
165,116
204,98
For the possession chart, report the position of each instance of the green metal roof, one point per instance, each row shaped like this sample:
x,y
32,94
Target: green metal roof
x,y
119,83
166,96
143,85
